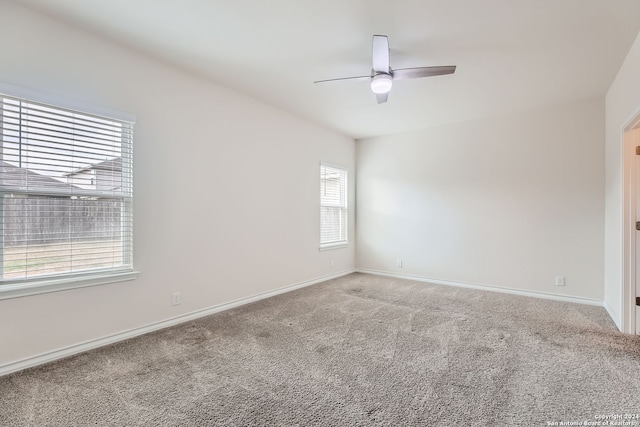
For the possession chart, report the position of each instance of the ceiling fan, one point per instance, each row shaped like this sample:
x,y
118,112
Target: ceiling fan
x,y
382,75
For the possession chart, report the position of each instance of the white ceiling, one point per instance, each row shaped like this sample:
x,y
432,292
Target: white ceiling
x,y
511,54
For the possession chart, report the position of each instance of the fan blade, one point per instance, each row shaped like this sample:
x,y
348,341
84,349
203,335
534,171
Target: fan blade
x,y
380,54
344,78
382,97
414,73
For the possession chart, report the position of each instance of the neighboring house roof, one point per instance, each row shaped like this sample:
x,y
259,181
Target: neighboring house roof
x,y
113,164
13,176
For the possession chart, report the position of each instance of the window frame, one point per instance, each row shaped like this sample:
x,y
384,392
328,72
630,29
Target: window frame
x,y
78,279
339,243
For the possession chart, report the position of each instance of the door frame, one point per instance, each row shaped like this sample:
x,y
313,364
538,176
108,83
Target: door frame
x,y
630,214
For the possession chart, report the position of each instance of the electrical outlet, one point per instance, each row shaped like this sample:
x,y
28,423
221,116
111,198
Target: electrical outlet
x,y
176,298
399,263
560,281
331,264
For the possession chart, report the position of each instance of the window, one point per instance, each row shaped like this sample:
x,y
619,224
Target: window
x,y
333,206
65,196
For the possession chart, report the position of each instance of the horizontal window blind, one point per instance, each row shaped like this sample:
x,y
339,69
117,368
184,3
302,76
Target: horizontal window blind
x,y
333,205
66,192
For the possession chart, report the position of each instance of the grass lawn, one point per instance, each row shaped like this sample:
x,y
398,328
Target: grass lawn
x,y
34,260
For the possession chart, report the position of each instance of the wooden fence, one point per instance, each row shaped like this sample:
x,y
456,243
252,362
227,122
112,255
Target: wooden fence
x,y
47,219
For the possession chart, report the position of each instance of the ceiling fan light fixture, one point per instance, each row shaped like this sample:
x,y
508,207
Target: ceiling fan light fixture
x,y
381,83
382,75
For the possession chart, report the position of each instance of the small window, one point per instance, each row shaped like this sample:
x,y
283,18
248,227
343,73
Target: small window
x,y
333,206
58,222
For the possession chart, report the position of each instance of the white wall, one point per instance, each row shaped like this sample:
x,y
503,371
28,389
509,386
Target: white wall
x,y
509,201
622,103
226,188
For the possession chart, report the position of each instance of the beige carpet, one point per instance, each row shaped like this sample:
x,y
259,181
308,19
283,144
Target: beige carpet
x,y
356,351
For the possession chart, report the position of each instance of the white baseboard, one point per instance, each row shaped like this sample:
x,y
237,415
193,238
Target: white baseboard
x,y
121,336
615,318
543,295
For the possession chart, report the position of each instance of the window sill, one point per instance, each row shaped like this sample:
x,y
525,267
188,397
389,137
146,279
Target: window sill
x,y
331,246
17,290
